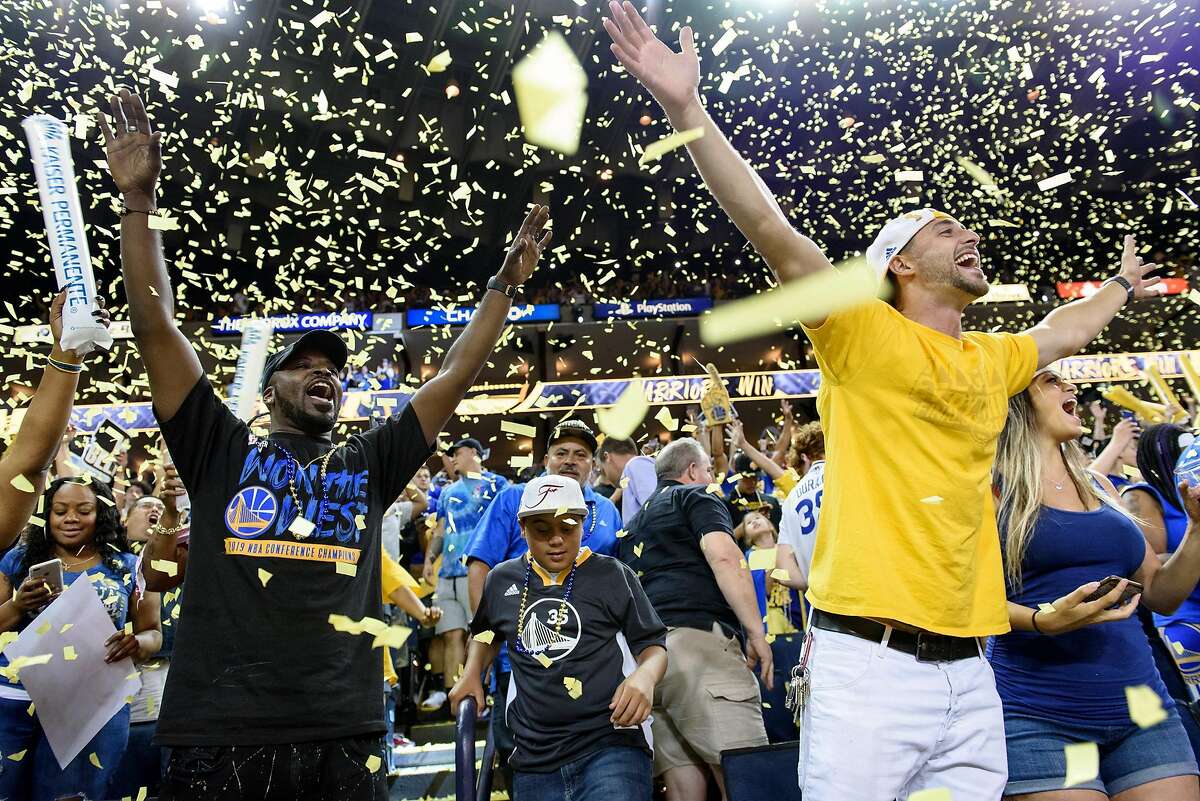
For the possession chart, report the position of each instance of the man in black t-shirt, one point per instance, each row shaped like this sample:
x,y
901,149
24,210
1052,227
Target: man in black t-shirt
x,y
681,545
586,650
266,699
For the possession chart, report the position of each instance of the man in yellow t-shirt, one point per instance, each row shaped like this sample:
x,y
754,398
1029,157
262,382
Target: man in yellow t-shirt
x,y
906,572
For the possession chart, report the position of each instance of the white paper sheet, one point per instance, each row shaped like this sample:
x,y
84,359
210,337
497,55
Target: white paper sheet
x,y
74,698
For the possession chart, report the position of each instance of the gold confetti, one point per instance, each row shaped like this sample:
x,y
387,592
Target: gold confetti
x,y
1145,707
21,483
762,559
551,95
373,763
932,794
439,62
346,568
69,653
302,527
95,760
1083,763
164,566
656,150
623,417
18,756
779,574
574,686
543,660
637,549
932,499
485,637
263,576
509,427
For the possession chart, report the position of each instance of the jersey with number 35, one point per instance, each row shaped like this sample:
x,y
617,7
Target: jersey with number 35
x,y
798,527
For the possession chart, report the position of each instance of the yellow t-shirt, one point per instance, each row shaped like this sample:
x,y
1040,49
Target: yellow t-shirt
x,y
911,416
392,577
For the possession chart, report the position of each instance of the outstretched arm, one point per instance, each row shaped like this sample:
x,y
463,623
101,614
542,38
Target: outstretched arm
x,y
673,79
437,400
135,161
33,449
1067,329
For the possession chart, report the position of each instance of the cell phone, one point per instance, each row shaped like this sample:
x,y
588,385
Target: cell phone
x,y
1108,584
50,572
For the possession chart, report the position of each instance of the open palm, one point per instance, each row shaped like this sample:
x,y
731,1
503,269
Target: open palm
x,y
527,247
671,77
134,153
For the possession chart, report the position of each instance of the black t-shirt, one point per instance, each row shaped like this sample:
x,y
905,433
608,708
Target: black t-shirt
x,y
608,622
260,664
601,488
662,545
739,504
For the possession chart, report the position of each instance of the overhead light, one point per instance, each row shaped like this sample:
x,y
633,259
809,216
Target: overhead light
x,y
452,89
606,174
646,120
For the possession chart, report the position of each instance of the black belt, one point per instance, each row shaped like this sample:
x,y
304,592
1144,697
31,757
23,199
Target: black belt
x,y
924,645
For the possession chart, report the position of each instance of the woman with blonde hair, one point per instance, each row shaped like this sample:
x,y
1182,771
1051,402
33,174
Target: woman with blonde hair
x,y
1063,670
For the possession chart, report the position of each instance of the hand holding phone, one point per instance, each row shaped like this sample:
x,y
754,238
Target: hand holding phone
x,y
51,573
1110,583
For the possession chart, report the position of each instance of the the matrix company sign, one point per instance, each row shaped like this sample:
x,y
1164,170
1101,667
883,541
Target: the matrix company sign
x,y
286,323
673,307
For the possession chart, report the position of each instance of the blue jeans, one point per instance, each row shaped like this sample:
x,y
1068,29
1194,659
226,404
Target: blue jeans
x,y
37,776
1129,756
611,774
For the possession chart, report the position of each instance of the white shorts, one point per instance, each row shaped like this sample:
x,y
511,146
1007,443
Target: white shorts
x,y
453,599
881,725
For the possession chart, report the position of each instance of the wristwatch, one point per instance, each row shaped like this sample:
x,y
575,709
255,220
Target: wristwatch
x,y
508,290
1124,282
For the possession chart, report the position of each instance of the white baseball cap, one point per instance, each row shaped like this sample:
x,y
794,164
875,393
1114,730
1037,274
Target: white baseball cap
x,y
897,233
552,494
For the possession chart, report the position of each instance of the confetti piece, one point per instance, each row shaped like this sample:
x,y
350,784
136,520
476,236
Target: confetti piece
x,y
779,574
574,686
1083,763
509,427
17,757
907,176
346,568
656,150
1178,646
551,95
622,533
392,636
622,418
932,499
164,566
543,660
724,42
762,559
42,629
1045,609
95,760
932,794
69,653
1145,707
1194,296
519,462
439,62
714,489
485,637
664,417
21,483
264,576
301,527
65,628
811,298
360,521
413,36
637,549
1054,181
373,763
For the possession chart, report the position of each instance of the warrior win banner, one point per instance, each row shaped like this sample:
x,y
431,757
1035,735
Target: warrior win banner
x,y
51,150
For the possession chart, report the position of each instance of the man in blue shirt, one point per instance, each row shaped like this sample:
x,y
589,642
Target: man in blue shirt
x,y
498,537
460,507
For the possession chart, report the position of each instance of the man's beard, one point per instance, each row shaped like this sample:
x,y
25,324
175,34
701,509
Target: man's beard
x,y
976,287
303,420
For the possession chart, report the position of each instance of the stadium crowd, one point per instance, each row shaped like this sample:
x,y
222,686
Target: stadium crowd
x,y
933,588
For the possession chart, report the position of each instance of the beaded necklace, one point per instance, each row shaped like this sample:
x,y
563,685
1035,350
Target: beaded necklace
x,y
293,465
568,585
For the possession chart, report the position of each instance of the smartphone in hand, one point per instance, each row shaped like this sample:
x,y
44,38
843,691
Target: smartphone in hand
x,y
1110,583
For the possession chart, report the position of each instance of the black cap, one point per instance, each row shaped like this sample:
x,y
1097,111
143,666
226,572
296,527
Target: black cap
x,y
324,341
742,463
573,428
468,442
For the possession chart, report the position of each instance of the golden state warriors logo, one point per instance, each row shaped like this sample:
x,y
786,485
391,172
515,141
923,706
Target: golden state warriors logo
x,y
251,512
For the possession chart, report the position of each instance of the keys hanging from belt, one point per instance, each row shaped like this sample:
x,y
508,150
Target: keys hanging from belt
x,y
798,685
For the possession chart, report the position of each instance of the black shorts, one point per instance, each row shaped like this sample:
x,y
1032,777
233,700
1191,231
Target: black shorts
x,y
325,770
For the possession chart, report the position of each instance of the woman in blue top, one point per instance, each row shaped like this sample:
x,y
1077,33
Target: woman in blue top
x,y
1063,670
1158,505
82,528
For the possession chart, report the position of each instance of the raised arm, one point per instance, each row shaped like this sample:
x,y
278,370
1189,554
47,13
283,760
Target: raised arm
x,y
1109,460
437,400
673,79
1067,329
135,161
38,440
764,462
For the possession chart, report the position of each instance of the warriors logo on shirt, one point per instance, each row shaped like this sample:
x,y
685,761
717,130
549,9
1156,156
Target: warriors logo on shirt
x,y
543,631
251,511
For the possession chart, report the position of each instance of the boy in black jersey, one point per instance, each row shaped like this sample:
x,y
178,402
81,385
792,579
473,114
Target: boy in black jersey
x,y
586,649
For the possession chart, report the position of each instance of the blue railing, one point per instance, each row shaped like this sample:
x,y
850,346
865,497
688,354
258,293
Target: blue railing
x,y
466,788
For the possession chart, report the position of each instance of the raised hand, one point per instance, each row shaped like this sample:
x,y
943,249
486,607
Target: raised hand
x,y
56,323
1135,272
134,153
672,78
1191,500
527,247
